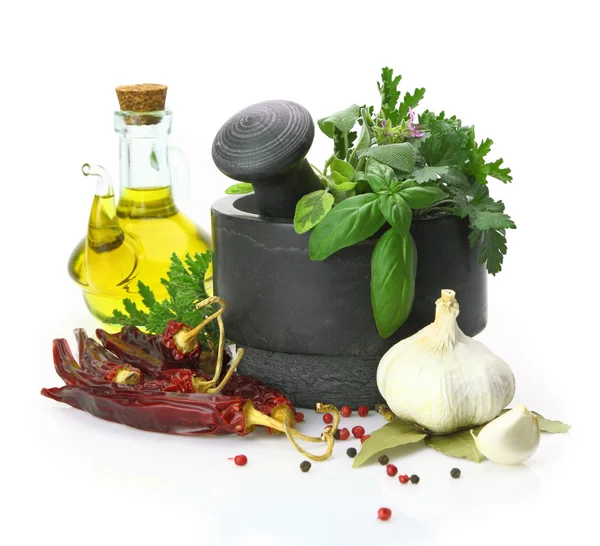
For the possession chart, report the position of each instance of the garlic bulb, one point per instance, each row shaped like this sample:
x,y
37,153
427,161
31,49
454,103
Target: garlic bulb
x,y
511,438
442,379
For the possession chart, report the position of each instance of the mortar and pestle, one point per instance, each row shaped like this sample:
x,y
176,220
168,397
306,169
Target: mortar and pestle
x,y
307,327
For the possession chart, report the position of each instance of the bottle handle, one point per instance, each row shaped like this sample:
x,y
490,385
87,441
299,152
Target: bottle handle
x,y
180,175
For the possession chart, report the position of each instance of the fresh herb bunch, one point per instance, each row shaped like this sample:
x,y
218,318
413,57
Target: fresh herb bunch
x,y
185,285
390,170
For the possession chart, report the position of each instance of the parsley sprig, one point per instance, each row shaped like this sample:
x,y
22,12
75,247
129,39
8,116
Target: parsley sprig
x,y
185,285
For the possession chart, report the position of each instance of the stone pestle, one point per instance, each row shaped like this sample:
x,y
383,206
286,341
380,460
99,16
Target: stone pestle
x,y
266,144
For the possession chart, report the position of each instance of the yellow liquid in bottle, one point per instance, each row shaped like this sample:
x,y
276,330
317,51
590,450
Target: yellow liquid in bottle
x,y
132,243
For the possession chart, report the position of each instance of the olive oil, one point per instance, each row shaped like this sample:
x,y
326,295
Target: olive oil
x,y
129,243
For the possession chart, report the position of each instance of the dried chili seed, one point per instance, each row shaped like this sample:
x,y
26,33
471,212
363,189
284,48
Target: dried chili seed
x,y
365,438
384,514
383,460
240,460
305,466
328,418
403,478
351,452
358,431
344,433
363,411
345,411
299,417
415,479
391,470
455,473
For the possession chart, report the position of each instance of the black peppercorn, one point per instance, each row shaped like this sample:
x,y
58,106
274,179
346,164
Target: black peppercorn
x,y
383,460
305,466
336,434
351,452
415,479
455,473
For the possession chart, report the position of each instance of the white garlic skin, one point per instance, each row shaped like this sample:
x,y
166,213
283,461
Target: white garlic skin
x,y
442,379
511,438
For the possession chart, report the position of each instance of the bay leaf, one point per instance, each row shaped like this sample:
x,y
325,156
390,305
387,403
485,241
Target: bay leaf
x,y
554,427
395,433
457,444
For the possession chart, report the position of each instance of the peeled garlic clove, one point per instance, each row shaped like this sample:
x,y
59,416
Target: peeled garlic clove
x,y
511,438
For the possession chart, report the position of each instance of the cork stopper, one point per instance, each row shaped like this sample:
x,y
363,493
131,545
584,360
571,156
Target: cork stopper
x,y
143,97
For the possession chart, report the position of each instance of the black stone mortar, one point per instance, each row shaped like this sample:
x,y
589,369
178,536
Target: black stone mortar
x,y
307,327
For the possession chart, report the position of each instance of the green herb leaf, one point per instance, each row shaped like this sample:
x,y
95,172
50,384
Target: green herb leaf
x,y
238,189
554,427
148,298
342,167
348,223
340,182
410,101
457,444
388,89
491,250
154,161
393,434
428,174
343,120
380,176
393,273
443,149
311,209
398,156
396,211
420,197
137,317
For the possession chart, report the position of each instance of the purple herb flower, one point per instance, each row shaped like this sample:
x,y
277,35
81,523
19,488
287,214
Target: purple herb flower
x,y
414,129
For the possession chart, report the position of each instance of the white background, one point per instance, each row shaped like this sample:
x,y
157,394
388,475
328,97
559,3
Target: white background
x,y
525,72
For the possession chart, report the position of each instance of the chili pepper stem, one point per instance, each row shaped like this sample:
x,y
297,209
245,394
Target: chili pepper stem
x,y
255,417
329,408
187,340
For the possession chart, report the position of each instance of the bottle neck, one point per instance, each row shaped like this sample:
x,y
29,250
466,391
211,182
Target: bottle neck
x,y
144,160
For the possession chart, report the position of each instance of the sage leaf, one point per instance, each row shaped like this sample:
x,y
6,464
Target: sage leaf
x,y
340,182
554,427
457,444
350,222
342,167
420,197
396,211
311,209
343,120
393,434
393,273
238,189
398,156
380,176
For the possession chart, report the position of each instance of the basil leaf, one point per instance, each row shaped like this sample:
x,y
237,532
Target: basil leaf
x,y
396,211
420,197
341,167
311,209
457,444
393,434
350,222
343,121
237,189
398,156
393,273
379,176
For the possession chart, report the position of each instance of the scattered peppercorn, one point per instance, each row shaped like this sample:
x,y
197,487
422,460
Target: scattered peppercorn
x,y
363,411
299,417
336,434
391,470
455,473
383,460
240,460
403,478
344,433
365,438
345,411
305,466
384,514
358,431
415,479
328,418
351,452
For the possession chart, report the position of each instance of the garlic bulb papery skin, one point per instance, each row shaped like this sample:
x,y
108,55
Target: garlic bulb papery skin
x,y
443,380
511,438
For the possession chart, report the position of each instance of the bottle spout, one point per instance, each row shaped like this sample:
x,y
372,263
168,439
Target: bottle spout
x,y
104,185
